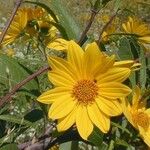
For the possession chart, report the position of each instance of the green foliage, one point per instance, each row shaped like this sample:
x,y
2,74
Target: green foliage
x,y
10,147
12,73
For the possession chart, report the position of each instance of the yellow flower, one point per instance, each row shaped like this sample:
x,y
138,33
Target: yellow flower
x,y
140,29
87,88
35,13
10,52
16,28
138,115
26,21
58,44
109,31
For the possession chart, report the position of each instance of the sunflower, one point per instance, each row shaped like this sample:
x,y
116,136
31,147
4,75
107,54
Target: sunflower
x,y
140,29
58,44
137,114
31,22
87,88
16,28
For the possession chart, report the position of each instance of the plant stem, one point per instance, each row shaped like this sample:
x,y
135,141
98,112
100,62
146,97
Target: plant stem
x,y
9,95
88,26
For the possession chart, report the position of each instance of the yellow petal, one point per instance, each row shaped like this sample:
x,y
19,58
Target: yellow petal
x,y
52,95
147,111
136,96
58,44
75,56
60,78
114,74
113,90
124,63
60,64
107,63
66,122
126,108
83,122
145,135
61,107
108,106
124,27
98,118
92,58
145,39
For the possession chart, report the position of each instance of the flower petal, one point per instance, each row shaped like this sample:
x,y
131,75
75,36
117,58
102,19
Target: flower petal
x,y
126,108
115,74
113,90
98,118
124,63
83,122
108,106
66,122
107,63
61,78
58,44
75,56
62,107
52,95
92,58
136,96
145,135
60,64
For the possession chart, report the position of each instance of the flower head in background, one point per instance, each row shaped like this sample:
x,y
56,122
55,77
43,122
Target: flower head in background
x,y
31,22
87,88
16,28
138,115
140,29
58,44
10,52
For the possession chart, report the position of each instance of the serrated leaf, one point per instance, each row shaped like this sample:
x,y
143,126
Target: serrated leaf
x,y
96,137
122,142
11,72
143,75
127,53
14,119
9,147
122,128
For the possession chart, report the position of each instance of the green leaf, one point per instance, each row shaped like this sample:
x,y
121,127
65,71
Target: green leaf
x,y
74,145
143,75
122,128
122,143
11,73
9,147
65,18
117,4
127,53
14,119
96,137
104,2
65,146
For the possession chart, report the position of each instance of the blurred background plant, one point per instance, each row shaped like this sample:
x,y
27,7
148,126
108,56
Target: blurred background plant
x,y
23,121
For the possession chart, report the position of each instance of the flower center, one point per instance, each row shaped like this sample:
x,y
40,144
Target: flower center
x,y
85,91
141,119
